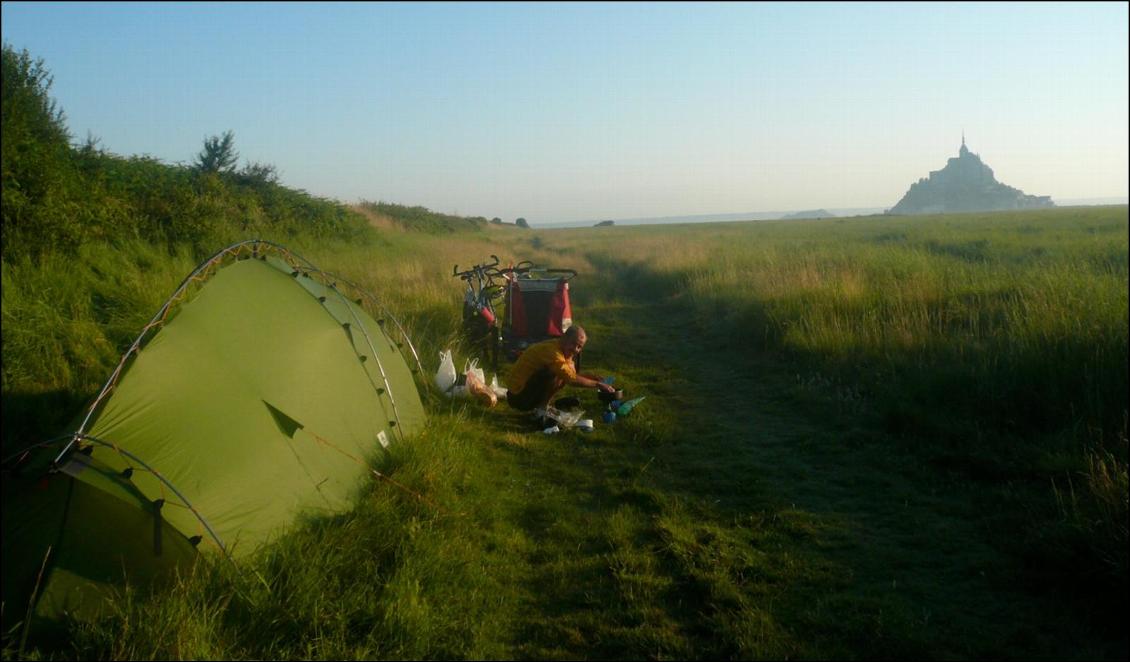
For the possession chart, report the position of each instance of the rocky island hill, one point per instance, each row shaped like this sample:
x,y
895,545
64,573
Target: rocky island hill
x,y
965,184
812,213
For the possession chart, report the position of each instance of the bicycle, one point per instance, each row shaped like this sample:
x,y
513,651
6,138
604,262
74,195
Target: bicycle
x,y
480,320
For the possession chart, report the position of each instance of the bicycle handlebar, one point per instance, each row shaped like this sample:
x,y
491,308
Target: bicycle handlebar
x,y
521,268
478,267
491,271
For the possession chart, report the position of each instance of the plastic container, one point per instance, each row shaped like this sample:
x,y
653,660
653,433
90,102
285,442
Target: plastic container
x,y
605,396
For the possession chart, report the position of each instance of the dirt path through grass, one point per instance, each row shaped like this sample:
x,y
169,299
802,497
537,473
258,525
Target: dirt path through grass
x,y
748,511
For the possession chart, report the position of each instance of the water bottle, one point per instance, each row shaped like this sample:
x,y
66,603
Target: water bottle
x,y
627,407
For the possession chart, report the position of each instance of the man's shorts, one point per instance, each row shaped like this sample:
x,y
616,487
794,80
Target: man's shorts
x,y
539,388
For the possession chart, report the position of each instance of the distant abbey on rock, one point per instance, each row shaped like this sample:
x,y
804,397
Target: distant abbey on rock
x,y
965,184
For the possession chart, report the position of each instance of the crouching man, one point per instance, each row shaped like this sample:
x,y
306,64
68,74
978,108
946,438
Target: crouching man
x,y
547,367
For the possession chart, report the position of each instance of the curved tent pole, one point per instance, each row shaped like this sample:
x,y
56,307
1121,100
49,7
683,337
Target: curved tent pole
x,y
386,313
334,278
196,274
368,340
144,465
377,358
403,333
167,484
376,302
157,319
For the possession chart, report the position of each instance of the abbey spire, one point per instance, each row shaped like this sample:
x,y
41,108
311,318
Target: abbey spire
x,y
965,184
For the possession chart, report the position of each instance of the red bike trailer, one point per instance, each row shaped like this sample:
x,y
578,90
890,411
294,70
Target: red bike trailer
x,y
537,308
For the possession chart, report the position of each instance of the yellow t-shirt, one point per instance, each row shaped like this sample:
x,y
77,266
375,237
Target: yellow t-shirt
x,y
545,354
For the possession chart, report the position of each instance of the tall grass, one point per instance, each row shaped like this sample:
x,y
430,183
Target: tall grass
x,y
994,345
958,325
67,319
1023,332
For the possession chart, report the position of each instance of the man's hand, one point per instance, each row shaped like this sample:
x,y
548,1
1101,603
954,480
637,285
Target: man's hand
x,y
589,381
601,385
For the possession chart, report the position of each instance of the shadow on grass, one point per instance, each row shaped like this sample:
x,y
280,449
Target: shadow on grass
x,y
751,442
30,418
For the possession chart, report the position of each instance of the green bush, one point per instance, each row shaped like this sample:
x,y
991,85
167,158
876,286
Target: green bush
x,y
423,219
58,197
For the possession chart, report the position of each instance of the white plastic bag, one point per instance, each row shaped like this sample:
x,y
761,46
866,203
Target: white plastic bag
x,y
445,376
564,419
472,366
479,390
567,419
498,390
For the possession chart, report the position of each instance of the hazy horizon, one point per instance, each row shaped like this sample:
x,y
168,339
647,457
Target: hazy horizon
x,y
763,215
565,113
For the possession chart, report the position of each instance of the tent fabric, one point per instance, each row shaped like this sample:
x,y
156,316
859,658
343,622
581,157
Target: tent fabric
x,y
262,396
91,533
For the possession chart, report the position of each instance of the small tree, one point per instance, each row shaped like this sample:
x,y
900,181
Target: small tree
x,y
219,154
259,173
496,220
521,222
90,146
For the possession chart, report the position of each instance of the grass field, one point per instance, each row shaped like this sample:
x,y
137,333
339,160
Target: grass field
x,y
863,438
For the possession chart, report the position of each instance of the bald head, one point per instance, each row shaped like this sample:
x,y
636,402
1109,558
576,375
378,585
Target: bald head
x,y
573,341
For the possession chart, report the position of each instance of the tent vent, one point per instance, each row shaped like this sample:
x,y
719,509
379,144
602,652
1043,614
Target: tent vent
x,y
127,473
363,358
321,299
380,390
195,540
357,301
294,274
346,325
287,425
392,424
87,450
381,321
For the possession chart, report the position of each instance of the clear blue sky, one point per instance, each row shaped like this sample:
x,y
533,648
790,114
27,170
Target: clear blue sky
x,y
560,112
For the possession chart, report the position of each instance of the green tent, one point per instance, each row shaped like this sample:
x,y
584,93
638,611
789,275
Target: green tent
x,y
259,392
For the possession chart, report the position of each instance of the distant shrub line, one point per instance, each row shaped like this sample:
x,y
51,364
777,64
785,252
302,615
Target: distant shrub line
x,y
425,220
